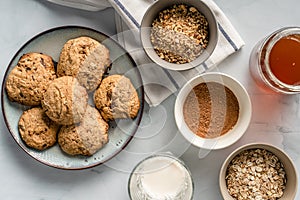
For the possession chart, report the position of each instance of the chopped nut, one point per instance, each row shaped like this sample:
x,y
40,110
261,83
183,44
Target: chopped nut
x,y
179,33
255,174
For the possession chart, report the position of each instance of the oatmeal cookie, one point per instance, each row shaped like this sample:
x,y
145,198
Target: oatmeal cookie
x,y
30,78
86,59
37,130
65,101
116,98
84,138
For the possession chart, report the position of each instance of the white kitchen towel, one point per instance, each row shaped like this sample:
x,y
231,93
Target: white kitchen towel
x,y
159,83
90,5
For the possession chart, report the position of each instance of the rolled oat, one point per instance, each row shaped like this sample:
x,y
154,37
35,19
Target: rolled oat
x,y
256,174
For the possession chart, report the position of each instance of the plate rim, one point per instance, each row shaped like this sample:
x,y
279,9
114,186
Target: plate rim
x,y
41,33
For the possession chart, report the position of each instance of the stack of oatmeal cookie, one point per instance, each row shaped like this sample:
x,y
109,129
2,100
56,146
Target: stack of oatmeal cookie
x,y
58,97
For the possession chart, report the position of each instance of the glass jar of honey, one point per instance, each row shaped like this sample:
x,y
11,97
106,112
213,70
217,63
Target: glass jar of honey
x,y
275,61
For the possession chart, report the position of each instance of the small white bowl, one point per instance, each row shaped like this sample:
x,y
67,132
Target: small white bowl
x,y
245,112
152,13
289,192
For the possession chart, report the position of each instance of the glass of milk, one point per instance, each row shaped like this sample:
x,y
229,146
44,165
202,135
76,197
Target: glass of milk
x,y
160,177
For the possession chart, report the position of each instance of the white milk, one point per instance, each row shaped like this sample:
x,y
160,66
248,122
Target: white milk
x,y
160,178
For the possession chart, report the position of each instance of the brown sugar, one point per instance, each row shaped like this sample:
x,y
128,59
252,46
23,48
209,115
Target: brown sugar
x,y
210,110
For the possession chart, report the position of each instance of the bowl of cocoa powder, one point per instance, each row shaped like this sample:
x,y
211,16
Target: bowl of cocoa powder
x,y
179,34
212,110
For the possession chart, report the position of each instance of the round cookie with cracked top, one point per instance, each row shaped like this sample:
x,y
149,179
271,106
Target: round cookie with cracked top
x,y
84,138
86,59
37,130
29,79
65,101
116,98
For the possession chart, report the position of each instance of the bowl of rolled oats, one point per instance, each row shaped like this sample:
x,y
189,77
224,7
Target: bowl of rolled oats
x,y
258,171
179,34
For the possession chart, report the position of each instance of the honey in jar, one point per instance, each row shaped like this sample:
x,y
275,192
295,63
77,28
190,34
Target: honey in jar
x,y
275,61
284,59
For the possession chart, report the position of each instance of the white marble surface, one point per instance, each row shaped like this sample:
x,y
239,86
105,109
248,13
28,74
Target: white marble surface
x,y
275,118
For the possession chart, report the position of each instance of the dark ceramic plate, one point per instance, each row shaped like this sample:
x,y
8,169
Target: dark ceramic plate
x,y
120,132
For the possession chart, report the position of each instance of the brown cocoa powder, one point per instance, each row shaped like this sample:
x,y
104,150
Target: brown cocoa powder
x,y
210,110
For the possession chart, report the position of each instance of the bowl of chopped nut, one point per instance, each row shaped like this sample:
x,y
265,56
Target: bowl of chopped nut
x,y
258,171
179,34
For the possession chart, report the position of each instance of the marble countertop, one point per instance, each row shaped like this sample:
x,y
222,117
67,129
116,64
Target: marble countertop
x,y
275,118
